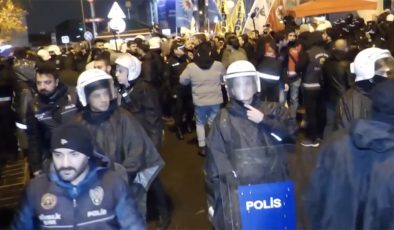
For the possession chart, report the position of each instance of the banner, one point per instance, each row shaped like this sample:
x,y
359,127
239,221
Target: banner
x,y
267,12
261,9
175,13
184,13
268,206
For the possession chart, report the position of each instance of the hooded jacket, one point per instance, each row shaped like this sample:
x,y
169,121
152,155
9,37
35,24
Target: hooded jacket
x,y
346,189
101,201
206,83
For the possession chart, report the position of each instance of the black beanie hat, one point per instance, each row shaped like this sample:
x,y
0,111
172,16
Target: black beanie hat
x,y
382,97
73,136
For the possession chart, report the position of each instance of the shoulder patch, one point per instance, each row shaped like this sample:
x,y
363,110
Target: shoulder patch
x,y
48,201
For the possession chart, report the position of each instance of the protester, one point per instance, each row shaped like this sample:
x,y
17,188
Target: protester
x,y
204,75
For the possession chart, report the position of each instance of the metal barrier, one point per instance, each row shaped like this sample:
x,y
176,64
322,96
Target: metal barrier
x,y
13,178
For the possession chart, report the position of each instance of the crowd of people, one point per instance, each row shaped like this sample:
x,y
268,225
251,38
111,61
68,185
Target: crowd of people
x,y
86,112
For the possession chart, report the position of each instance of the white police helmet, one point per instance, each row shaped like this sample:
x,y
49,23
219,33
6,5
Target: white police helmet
x,y
364,63
237,74
92,79
54,49
44,54
131,63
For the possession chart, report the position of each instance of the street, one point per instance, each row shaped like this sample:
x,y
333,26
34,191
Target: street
x,y
183,180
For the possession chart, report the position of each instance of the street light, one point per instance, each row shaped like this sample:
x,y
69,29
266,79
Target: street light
x,y
128,6
83,15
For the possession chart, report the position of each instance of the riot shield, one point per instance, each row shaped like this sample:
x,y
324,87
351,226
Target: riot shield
x,y
248,167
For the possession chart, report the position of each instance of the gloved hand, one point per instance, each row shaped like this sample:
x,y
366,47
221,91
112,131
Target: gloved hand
x,y
254,114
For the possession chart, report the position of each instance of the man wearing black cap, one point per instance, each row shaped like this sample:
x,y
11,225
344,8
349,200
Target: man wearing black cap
x,y
79,191
352,186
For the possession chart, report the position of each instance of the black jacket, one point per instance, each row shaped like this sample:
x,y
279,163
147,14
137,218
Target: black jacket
x,y
152,68
312,78
350,187
24,89
43,115
273,71
101,201
142,100
174,68
336,76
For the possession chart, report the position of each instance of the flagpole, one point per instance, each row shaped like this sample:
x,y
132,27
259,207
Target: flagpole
x,y
83,15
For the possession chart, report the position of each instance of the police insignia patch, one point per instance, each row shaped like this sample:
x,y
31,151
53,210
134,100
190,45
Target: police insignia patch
x,y
96,195
48,201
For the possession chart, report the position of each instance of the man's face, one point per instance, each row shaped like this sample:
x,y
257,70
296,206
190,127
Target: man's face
x,y
122,75
101,65
291,37
133,48
243,88
99,100
46,84
69,164
99,45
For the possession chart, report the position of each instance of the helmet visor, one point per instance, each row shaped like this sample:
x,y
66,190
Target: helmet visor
x,y
242,88
385,67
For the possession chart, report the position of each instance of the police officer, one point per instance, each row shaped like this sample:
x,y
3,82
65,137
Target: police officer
x,y
53,104
182,95
139,97
370,66
118,133
355,167
142,100
79,190
312,83
246,144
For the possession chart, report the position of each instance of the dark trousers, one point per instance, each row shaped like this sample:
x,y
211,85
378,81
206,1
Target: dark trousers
x,y
315,113
330,118
183,106
158,200
270,93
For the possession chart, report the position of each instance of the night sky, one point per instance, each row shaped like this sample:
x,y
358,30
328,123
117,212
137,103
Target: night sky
x,y
44,15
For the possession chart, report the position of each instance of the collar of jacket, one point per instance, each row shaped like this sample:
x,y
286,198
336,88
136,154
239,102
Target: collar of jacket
x,y
75,190
99,117
237,108
376,134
